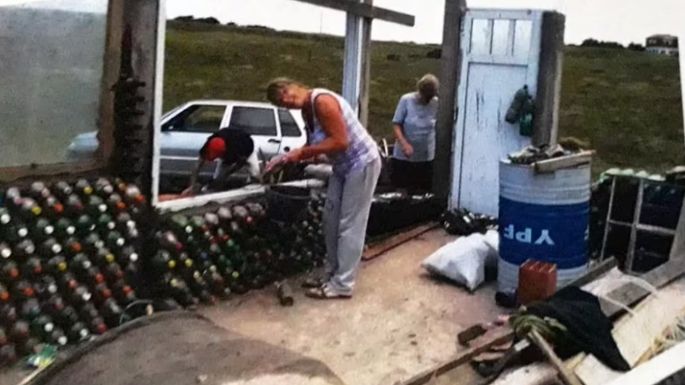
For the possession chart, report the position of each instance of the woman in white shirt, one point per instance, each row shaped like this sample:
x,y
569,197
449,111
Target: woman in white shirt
x,y
414,126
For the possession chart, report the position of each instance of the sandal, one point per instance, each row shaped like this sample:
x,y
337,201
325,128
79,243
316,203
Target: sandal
x,y
314,282
326,292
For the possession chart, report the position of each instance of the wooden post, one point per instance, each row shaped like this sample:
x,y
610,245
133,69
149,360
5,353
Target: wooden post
x,y
365,81
449,82
547,100
143,18
352,62
110,75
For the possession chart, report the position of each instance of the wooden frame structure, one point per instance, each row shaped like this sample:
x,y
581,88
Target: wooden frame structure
x,y
356,81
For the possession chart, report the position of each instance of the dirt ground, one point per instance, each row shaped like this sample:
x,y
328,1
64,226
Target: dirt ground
x,y
400,321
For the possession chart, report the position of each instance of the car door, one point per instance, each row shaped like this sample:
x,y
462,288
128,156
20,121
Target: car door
x,y
292,130
260,123
183,135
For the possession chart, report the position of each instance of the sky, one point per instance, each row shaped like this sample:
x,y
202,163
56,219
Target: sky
x,y
624,21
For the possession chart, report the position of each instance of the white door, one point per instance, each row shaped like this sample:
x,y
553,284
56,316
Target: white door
x,y
501,52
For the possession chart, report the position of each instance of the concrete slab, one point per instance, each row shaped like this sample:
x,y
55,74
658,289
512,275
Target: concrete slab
x,y
182,348
399,322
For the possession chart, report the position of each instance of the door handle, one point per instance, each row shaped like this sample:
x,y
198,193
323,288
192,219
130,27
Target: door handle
x,y
274,141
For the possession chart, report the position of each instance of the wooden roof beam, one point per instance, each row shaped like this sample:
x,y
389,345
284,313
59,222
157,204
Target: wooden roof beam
x,y
365,10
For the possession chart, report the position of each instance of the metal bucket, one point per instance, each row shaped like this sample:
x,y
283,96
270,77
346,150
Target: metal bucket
x,y
543,217
287,203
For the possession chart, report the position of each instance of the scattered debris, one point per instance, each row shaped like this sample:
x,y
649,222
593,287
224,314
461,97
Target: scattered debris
x,y
463,222
573,322
285,293
532,154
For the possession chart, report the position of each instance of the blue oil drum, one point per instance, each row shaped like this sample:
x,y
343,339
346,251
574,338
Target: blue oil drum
x,y
545,217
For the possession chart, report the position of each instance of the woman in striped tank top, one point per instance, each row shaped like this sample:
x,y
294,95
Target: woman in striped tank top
x,y
335,131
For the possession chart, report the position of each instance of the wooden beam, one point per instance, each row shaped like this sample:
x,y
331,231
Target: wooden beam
x,y
365,81
449,82
631,293
564,374
352,61
142,17
49,171
501,336
635,334
547,100
388,244
365,10
110,75
596,272
551,165
657,369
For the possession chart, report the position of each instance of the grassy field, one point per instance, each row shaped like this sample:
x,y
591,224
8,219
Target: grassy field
x,y
625,103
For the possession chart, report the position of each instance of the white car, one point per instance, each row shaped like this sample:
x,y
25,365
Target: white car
x,y
186,128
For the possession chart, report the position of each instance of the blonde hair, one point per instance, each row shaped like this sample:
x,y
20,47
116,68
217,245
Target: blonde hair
x,y
428,82
277,85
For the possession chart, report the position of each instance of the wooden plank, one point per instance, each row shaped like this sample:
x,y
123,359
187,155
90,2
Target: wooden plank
x,y
538,373
551,165
631,293
498,337
596,272
635,334
388,244
365,10
566,376
143,17
655,370
110,75
450,68
365,81
547,100
49,171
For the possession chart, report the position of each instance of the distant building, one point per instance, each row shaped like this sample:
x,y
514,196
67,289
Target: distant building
x,y
663,45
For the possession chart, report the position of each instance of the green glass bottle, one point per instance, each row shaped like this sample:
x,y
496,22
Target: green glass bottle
x,y
105,223
64,228
50,247
42,229
95,206
62,190
83,188
85,225
163,262
115,241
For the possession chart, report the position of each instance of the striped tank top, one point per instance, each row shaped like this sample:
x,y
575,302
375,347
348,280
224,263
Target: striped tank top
x,y
361,149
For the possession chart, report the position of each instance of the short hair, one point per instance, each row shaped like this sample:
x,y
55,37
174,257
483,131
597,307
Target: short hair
x,y
273,90
428,82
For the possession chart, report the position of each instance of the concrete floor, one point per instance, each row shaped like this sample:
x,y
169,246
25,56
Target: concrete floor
x,y
400,321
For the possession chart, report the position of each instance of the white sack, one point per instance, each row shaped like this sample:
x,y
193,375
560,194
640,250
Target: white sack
x,y
464,260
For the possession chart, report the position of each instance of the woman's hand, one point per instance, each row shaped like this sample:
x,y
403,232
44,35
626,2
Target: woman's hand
x,y
407,149
293,156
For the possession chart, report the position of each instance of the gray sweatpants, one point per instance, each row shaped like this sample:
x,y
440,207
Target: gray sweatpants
x,y
348,203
